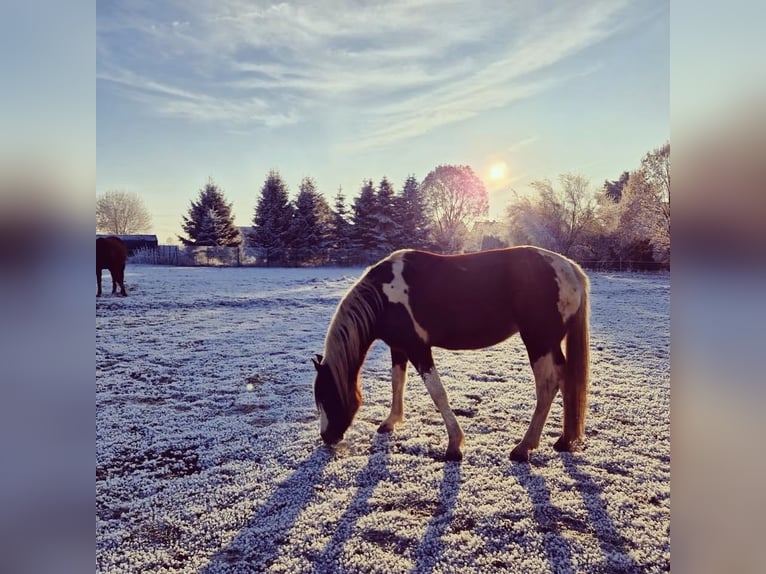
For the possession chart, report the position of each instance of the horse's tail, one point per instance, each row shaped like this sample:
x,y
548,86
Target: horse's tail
x,y
577,364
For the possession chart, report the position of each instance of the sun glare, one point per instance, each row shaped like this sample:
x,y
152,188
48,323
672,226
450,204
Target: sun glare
x,y
498,170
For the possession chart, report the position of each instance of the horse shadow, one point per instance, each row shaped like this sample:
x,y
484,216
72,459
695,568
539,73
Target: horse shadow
x,y
257,544
256,547
375,471
551,520
431,547
615,548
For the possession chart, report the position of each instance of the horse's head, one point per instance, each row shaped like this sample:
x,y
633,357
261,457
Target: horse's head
x,y
335,415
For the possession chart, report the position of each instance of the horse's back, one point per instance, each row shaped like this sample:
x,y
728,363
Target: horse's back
x,y
479,299
110,251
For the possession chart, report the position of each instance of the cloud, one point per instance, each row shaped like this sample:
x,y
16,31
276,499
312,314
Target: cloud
x,y
401,69
522,143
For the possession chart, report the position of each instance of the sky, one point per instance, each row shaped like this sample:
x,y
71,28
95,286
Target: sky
x,y
344,90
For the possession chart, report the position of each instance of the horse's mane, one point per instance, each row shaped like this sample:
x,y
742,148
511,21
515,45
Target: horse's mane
x,y
349,337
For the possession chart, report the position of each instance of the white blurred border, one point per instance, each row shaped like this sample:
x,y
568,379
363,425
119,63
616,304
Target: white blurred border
x,y
47,186
718,132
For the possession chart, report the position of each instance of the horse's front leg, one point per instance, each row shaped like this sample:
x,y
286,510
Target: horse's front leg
x,y
438,393
398,379
98,281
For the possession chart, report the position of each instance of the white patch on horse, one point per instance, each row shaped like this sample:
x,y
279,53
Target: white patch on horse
x,y
398,292
570,288
323,422
545,369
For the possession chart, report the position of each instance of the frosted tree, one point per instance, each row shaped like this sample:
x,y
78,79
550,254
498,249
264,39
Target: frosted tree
x,y
364,236
272,222
310,234
454,197
120,212
387,226
210,221
412,216
636,227
340,227
656,169
558,219
613,189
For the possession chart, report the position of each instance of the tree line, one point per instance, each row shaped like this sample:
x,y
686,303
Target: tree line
x,y
433,214
626,221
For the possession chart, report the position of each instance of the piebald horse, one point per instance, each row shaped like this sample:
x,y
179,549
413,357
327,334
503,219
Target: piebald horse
x,y
414,300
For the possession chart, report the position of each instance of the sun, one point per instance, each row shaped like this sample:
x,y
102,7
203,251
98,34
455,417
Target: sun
x,y
498,170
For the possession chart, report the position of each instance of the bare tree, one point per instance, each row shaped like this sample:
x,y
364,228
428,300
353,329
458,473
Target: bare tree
x,y
454,197
121,212
556,219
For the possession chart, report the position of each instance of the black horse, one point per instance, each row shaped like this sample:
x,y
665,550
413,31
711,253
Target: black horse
x,y
111,254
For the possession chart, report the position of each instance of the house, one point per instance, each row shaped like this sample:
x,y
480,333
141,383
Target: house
x,y
135,242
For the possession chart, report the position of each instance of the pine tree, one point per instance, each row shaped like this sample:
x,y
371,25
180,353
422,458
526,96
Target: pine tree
x,y
340,235
365,207
210,221
387,227
310,224
272,221
412,215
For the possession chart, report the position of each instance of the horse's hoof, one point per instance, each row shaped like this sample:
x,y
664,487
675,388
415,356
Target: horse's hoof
x,y
453,455
567,445
385,428
520,455
561,445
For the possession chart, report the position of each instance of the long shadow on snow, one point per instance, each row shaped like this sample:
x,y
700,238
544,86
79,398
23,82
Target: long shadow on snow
x,y
551,520
367,480
432,546
257,544
548,518
614,546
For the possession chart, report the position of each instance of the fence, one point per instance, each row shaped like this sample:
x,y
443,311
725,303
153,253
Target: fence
x,y
257,257
624,265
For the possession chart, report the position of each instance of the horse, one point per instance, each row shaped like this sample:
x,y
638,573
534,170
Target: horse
x,y
414,300
111,254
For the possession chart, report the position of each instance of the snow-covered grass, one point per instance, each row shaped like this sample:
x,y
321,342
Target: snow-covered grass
x,y
208,456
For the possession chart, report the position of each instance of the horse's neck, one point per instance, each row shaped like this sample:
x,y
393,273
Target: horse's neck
x,y
352,365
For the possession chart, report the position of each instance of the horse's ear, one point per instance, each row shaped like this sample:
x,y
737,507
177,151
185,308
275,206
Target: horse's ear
x,y
317,361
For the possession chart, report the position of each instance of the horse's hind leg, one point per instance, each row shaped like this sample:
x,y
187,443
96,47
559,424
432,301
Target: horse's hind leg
x,y
398,379
98,281
118,278
549,376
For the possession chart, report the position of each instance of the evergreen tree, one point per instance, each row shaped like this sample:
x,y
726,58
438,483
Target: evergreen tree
x,y
340,234
365,207
412,214
387,227
310,225
613,189
210,221
273,218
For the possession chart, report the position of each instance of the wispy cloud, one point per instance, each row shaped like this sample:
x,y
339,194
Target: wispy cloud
x,y
522,143
401,68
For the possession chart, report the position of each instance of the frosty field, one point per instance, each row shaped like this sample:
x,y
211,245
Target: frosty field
x,y
208,457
